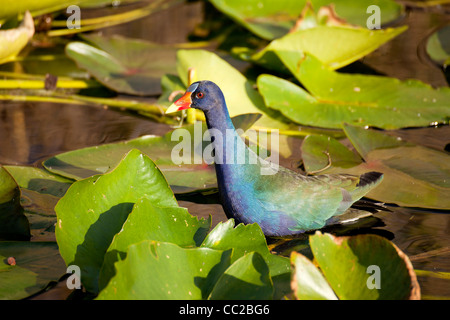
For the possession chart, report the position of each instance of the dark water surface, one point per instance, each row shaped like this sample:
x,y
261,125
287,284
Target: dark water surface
x,y
32,132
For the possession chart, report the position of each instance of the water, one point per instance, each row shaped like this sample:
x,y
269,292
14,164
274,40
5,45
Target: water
x,y
32,132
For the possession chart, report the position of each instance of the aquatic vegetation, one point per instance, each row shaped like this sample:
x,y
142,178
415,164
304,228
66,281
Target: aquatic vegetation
x,y
292,67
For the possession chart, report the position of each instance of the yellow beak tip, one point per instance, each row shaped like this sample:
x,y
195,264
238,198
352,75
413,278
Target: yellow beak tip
x,y
173,108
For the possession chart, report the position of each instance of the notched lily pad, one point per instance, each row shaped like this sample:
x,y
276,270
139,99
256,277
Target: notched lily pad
x,y
362,267
414,175
158,270
129,66
95,209
322,35
334,98
150,222
273,19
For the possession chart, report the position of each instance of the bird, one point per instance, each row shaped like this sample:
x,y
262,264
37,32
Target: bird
x,y
285,203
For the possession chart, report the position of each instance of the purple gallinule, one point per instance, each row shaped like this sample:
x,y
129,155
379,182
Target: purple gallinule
x,y
283,203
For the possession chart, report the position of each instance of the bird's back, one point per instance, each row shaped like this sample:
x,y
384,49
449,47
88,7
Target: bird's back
x,y
288,202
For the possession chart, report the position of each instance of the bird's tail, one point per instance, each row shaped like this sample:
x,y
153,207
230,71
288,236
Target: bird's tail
x,y
367,182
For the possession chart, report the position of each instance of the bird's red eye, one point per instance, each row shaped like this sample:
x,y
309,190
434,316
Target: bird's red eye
x,y
200,95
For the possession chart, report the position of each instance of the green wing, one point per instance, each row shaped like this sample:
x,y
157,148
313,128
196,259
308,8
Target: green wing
x,y
311,200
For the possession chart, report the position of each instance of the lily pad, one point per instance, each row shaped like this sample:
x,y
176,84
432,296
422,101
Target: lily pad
x,y
12,41
363,100
189,176
149,222
94,210
39,180
13,223
308,283
125,65
40,191
438,45
244,239
157,270
322,38
32,267
362,267
270,20
246,279
425,171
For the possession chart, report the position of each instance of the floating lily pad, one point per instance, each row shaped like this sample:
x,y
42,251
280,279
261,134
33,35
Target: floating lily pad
x,y
39,180
273,19
94,210
13,223
157,270
129,66
244,239
32,267
308,283
335,98
324,37
40,191
12,41
362,267
425,171
149,222
246,279
438,45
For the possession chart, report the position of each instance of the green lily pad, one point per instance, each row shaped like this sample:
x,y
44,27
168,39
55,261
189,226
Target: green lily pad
x,y
187,177
438,45
246,279
269,20
363,100
39,180
308,283
129,66
36,264
12,41
425,171
239,93
363,267
157,270
323,36
13,223
42,61
40,191
149,222
244,239
94,209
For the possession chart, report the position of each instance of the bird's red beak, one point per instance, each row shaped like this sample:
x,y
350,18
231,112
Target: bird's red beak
x,y
181,104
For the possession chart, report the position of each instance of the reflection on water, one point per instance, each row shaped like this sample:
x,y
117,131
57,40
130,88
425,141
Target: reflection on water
x,y
31,132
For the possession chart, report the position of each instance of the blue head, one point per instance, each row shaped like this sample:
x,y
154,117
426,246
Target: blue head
x,y
203,95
